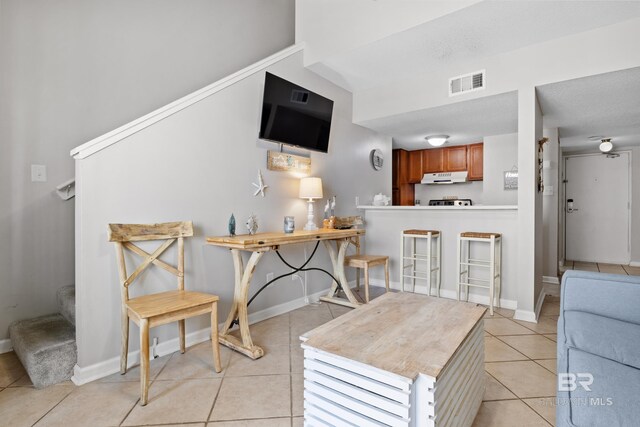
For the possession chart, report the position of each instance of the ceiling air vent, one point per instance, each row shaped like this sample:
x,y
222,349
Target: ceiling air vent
x,y
466,83
299,96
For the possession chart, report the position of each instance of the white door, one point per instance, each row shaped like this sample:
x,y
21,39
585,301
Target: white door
x,y
597,208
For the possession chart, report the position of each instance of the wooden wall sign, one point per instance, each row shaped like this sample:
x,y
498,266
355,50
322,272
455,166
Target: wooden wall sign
x,y
277,161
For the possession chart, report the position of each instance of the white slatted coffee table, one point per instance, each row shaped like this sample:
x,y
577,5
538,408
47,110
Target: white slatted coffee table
x,y
403,360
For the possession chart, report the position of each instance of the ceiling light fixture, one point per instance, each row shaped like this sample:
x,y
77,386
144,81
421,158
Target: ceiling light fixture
x,y
606,145
437,140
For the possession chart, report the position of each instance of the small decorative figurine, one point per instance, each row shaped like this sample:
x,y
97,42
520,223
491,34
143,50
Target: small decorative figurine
x,y
232,225
260,186
326,210
252,224
333,206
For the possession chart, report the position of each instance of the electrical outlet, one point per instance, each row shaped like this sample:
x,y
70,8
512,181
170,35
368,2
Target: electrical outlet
x,y
269,277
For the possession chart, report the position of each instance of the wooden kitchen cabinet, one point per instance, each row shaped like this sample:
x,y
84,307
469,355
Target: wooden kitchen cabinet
x,y
403,195
415,167
475,155
400,167
455,158
432,160
402,192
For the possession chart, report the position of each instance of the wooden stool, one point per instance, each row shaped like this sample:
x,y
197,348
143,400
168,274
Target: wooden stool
x,y
365,262
494,263
433,262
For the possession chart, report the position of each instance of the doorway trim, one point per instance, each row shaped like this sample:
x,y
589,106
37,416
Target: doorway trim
x,y
563,202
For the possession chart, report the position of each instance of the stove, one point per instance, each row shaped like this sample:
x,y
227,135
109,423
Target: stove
x,y
451,202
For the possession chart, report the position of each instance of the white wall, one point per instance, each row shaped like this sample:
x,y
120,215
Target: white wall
x,y
199,164
635,206
550,199
500,155
354,23
465,190
72,70
602,50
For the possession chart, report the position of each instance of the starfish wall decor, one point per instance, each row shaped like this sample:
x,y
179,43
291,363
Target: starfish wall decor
x,y
260,186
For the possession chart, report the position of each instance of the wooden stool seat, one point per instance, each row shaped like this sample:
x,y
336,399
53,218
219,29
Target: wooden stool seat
x,y
359,261
421,232
479,235
365,262
151,306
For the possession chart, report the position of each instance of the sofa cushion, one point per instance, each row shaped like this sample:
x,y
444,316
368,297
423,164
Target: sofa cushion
x,y
612,398
609,338
609,295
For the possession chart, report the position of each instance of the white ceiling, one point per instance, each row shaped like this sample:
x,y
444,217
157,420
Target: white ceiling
x,y
605,104
481,30
465,122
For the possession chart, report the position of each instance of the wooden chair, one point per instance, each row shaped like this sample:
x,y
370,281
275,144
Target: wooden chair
x,y
359,261
158,309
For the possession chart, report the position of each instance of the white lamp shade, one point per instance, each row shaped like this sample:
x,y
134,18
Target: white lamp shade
x,y
311,188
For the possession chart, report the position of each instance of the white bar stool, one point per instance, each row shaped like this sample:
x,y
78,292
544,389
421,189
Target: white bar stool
x,y
494,264
432,261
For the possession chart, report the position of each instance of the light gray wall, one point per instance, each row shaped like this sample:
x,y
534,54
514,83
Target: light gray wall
x,y
635,206
72,70
199,165
550,214
464,190
500,155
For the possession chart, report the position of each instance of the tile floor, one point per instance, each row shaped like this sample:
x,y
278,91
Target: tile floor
x,y
520,370
601,267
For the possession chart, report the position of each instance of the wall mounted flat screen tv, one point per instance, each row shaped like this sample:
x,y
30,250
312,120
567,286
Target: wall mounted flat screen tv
x,y
293,115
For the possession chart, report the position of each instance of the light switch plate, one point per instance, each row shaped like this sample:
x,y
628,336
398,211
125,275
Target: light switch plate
x,y
548,190
38,173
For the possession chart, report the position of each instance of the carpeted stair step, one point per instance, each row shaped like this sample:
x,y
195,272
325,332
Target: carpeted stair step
x,y
67,303
46,346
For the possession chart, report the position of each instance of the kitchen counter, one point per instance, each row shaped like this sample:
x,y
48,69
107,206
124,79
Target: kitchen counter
x,y
385,224
440,208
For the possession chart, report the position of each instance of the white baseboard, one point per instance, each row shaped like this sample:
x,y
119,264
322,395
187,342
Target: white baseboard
x,y
526,315
533,316
551,289
83,375
449,294
551,279
539,303
634,264
5,346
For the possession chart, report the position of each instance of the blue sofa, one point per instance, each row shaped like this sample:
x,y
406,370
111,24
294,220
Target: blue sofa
x,y
599,350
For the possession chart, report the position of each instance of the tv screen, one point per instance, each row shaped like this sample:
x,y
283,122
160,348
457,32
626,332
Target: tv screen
x,y
295,116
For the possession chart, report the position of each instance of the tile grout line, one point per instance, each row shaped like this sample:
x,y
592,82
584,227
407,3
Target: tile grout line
x,y
53,407
529,359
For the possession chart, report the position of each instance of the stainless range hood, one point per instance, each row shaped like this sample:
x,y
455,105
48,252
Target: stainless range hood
x,y
444,178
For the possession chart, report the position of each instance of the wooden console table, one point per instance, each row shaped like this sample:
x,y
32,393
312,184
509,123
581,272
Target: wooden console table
x,y
258,245
402,360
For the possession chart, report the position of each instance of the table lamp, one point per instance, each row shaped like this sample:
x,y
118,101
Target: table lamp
x,y
310,189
